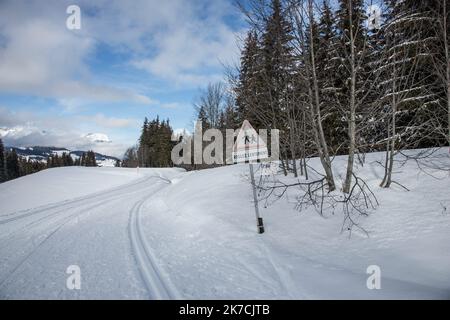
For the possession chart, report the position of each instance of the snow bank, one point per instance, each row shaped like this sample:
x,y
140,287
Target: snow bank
x,y
203,230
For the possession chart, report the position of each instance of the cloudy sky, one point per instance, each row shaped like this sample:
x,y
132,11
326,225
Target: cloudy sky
x,y
130,59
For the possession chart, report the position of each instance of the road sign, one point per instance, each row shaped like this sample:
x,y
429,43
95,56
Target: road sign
x,y
249,146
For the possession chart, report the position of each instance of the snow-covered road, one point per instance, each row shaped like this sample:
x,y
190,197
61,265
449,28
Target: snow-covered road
x,y
99,232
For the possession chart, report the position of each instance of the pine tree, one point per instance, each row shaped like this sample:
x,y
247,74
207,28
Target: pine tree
x,y
69,160
328,65
165,144
64,159
276,79
410,82
440,13
89,159
155,145
3,173
94,159
248,87
277,68
56,161
143,151
412,94
12,165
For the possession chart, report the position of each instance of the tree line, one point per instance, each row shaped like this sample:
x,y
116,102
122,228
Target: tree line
x,y
154,146
335,80
340,81
87,159
13,166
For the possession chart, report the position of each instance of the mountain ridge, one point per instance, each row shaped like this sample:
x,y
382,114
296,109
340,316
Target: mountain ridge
x,y
40,153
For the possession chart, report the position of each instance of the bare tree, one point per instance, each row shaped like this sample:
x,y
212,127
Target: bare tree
x,y
303,16
441,58
212,102
357,97
130,158
410,99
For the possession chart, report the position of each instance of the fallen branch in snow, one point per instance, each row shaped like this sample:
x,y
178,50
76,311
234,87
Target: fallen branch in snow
x,y
428,160
356,203
399,184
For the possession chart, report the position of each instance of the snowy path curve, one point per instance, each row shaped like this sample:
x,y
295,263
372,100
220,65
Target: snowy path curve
x,y
156,280
64,204
98,220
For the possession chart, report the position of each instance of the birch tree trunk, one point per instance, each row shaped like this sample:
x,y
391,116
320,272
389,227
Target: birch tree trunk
x,y
352,120
388,177
387,180
317,118
447,60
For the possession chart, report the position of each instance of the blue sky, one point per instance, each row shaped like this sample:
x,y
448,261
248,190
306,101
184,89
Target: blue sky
x,y
130,59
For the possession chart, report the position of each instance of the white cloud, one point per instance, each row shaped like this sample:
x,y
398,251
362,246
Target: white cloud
x,y
183,42
191,50
112,122
16,129
41,57
179,43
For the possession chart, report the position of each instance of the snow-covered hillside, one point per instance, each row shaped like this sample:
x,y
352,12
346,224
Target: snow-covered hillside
x,y
207,235
166,233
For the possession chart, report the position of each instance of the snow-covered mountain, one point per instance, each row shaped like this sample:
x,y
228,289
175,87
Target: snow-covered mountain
x,y
18,132
39,153
97,138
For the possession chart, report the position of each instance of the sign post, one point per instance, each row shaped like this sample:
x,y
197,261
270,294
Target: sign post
x,y
248,148
259,220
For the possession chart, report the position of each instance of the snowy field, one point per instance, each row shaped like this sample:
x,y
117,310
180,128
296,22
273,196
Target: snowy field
x,y
166,233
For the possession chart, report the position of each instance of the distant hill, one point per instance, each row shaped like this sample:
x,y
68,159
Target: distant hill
x,y
39,153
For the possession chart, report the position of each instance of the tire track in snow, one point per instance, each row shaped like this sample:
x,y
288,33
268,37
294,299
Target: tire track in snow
x,y
94,201
64,207
157,282
30,212
46,238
